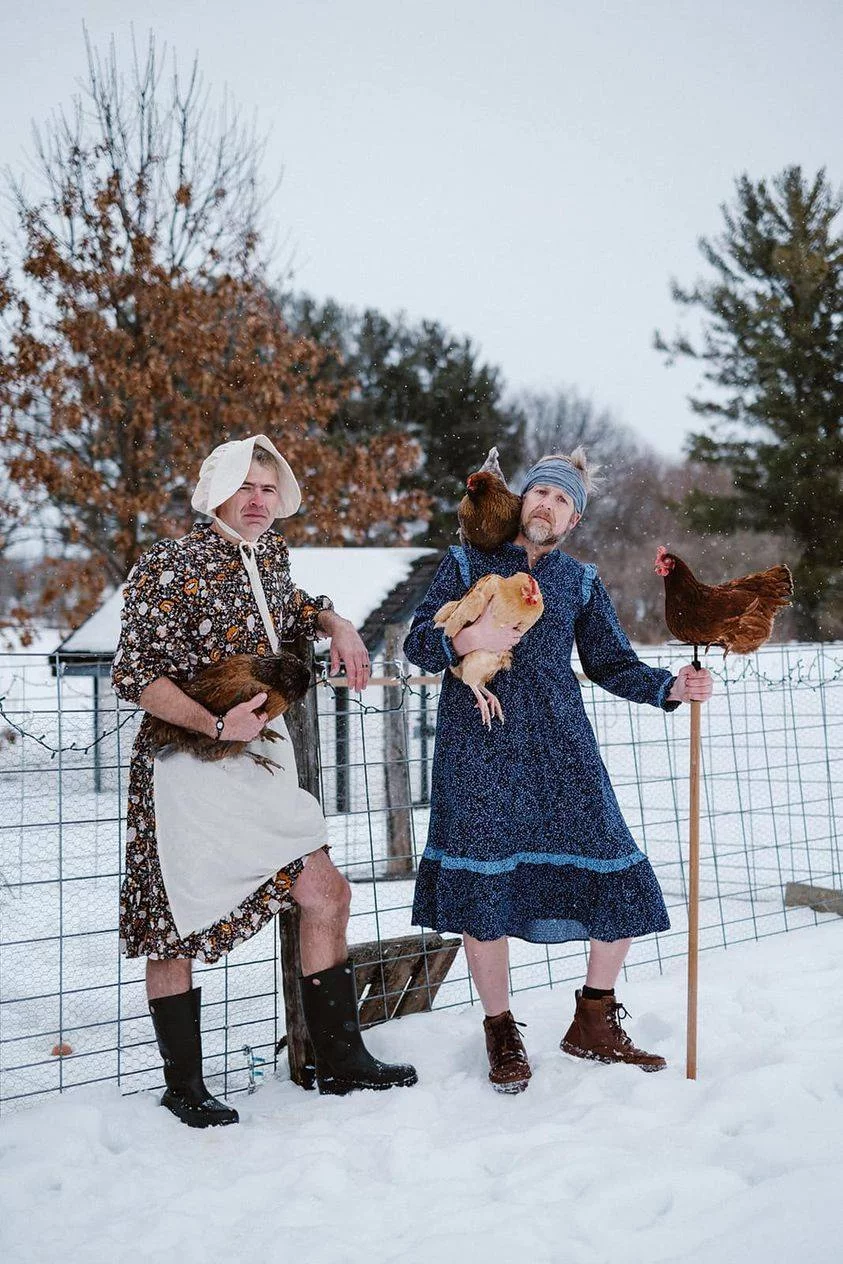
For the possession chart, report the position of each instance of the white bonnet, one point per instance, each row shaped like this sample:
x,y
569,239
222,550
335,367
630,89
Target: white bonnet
x,y
225,470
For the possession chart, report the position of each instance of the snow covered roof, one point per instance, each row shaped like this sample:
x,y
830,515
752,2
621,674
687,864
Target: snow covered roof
x,y
359,581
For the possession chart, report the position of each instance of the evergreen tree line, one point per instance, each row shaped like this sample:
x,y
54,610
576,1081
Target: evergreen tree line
x,y
138,328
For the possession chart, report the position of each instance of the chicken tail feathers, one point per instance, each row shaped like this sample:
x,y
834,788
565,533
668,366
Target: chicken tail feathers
x,y
774,586
492,465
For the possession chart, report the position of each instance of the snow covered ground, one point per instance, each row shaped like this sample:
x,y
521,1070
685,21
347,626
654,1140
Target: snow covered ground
x,y
592,1165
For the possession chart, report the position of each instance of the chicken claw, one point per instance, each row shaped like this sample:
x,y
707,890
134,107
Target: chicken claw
x,y
488,705
263,761
270,735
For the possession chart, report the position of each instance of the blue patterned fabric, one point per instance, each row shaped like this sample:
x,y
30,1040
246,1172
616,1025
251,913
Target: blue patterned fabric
x,y
526,836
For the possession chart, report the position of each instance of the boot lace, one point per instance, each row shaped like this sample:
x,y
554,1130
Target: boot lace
x,y
509,1045
617,1012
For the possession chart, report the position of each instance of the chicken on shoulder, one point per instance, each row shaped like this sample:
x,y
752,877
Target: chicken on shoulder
x,y
514,602
489,513
736,615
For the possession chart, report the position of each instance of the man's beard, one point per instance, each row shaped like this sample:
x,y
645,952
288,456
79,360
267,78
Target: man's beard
x,y
539,531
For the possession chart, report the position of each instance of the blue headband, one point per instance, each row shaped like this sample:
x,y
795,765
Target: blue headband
x,y
557,472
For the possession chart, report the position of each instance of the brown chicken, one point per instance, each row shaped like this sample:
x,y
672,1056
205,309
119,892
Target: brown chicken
x,y
284,679
489,513
515,602
737,615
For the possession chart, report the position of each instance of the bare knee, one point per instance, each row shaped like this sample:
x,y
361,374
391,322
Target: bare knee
x,y
337,902
322,890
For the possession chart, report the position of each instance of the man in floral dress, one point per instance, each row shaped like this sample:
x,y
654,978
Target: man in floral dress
x,y
222,589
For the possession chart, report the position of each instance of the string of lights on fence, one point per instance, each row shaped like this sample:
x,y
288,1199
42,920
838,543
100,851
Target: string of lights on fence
x,y
733,671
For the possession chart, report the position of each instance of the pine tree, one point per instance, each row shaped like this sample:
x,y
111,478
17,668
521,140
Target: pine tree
x,y
772,346
424,383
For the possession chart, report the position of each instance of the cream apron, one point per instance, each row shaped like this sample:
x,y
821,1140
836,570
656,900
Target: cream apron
x,y
224,827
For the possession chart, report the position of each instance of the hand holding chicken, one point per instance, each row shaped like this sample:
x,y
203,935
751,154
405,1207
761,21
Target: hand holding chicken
x,y
511,605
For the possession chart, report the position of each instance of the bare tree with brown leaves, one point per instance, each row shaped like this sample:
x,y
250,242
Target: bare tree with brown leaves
x,y
138,334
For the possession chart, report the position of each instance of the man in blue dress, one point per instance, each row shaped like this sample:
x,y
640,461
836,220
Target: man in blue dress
x,y
526,836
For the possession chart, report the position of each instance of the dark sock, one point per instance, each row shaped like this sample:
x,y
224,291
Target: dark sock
x,y
596,994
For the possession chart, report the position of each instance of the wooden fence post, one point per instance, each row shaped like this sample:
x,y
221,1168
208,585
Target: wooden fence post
x,y
399,831
303,725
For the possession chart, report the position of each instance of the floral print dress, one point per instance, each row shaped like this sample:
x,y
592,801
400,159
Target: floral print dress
x,y
188,603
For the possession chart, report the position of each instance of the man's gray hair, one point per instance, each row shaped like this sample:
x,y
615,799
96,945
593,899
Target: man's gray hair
x,y
579,460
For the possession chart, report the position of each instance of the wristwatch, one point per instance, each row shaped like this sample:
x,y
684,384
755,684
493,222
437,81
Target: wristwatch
x,y
219,725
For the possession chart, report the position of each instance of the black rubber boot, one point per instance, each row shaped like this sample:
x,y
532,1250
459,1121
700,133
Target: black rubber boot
x,y
178,1030
343,1063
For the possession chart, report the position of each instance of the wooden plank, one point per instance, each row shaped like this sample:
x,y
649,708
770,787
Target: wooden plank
x,y
385,949
820,899
341,682
390,980
404,974
428,977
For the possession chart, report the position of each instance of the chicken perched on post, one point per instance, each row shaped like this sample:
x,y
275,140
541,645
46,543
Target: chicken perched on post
x,y
284,679
515,602
489,513
737,615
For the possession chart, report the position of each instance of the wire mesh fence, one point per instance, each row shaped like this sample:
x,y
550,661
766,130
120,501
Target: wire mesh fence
x,y
73,1011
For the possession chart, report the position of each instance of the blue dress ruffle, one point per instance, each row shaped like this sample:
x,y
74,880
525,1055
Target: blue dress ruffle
x,y
526,836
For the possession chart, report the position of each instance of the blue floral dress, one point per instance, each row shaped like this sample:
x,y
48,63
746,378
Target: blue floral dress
x,y
526,836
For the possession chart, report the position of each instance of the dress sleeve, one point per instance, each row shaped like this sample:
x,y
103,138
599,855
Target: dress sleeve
x,y
301,612
153,640
608,658
426,645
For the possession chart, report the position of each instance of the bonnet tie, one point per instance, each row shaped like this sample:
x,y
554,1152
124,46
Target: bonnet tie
x,y
247,553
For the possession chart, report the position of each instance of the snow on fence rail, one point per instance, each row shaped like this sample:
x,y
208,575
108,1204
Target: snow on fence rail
x,y
772,768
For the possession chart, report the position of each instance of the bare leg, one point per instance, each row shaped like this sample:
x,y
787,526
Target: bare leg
x,y
605,961
324,899
488,961
168,978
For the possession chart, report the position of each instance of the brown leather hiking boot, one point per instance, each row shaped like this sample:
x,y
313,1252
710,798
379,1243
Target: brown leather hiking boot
x,y
509,1068
596,1033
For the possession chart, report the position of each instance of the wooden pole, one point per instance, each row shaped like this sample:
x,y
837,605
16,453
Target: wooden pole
x,y
303,725
693,889
399,831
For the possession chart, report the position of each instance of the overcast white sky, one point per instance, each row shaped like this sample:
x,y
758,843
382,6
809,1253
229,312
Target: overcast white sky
x,y
530,173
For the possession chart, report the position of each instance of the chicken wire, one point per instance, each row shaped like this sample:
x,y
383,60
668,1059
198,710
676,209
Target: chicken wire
x,y
772,758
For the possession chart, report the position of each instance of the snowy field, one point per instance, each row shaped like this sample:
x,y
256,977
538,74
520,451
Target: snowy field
x,y
593,1165
773,764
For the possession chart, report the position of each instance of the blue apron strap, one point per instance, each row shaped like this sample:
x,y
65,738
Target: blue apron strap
x,y
588,577
461,558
